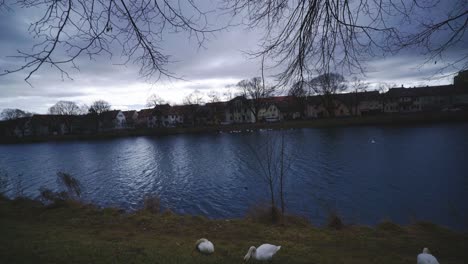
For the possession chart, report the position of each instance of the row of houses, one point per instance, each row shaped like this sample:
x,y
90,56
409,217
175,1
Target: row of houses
x,y
242,110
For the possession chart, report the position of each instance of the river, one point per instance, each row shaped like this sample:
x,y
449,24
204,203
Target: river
x,y
366,174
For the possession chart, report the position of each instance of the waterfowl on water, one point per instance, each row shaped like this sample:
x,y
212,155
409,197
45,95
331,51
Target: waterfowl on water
x,y
263,253
204,246
426,258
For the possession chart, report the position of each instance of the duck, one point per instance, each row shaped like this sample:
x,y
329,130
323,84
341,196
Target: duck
x,y
426,257
264,252
204,246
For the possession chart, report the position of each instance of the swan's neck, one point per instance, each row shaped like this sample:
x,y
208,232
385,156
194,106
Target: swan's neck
x,y
252,253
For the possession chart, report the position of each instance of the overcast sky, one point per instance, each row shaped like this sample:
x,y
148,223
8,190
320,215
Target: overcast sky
x,y
221,62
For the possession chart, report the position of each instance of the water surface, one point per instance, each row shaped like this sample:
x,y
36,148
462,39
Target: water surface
x,y
366,174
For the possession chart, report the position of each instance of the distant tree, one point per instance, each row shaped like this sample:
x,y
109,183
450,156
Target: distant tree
x,y
68,110
327,86
214,96
84,109
64,108
255,90
192,104
383,88
357,86
98,107
300,91
194,98
154,100
230,92
10,114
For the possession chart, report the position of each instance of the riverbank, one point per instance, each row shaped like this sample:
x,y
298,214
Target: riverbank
x,y
75,233
380,120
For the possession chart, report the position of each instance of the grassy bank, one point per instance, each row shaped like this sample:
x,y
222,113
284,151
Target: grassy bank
x,y
388,119
74,233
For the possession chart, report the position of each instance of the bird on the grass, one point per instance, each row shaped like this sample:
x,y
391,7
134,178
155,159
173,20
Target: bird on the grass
x,y
426,257
263,253
203,246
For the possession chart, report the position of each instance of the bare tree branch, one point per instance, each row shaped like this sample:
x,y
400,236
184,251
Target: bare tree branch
x,y
71,29
310,37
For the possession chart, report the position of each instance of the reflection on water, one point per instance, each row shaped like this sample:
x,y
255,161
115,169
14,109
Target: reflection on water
x,y
365,173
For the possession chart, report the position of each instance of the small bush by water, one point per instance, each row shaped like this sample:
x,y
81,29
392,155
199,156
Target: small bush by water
x,y
334,221
263,213
152,204
71,184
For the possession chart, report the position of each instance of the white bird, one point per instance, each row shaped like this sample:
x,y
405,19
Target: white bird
x,y
426,258
204,246
263,252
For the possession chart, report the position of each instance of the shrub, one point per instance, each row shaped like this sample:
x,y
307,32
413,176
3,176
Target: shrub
x,y
152,204
334,221
72,185
265,214
3,181
387,225
48,196
71,193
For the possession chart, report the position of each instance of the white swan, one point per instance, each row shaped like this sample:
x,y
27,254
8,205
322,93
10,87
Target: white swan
x,y
426,258
263,252
204,246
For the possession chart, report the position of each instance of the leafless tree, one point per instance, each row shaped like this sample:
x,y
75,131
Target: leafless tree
x,y
64,108
357,86
192,108
134,30
194,98
272,165
68,110
214,96
154,100
308,37
98,107
327,86
230,92
383,89
255,90
300,91
10,114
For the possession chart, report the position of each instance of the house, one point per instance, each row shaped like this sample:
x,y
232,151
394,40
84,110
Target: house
x,y
111,120
359,103
170,116
131,118
147,118
426,99
239,110
317,107
85,124
279,108
19,127
217,113
461,80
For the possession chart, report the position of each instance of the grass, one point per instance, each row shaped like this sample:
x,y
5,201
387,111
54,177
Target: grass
x,y
76,233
